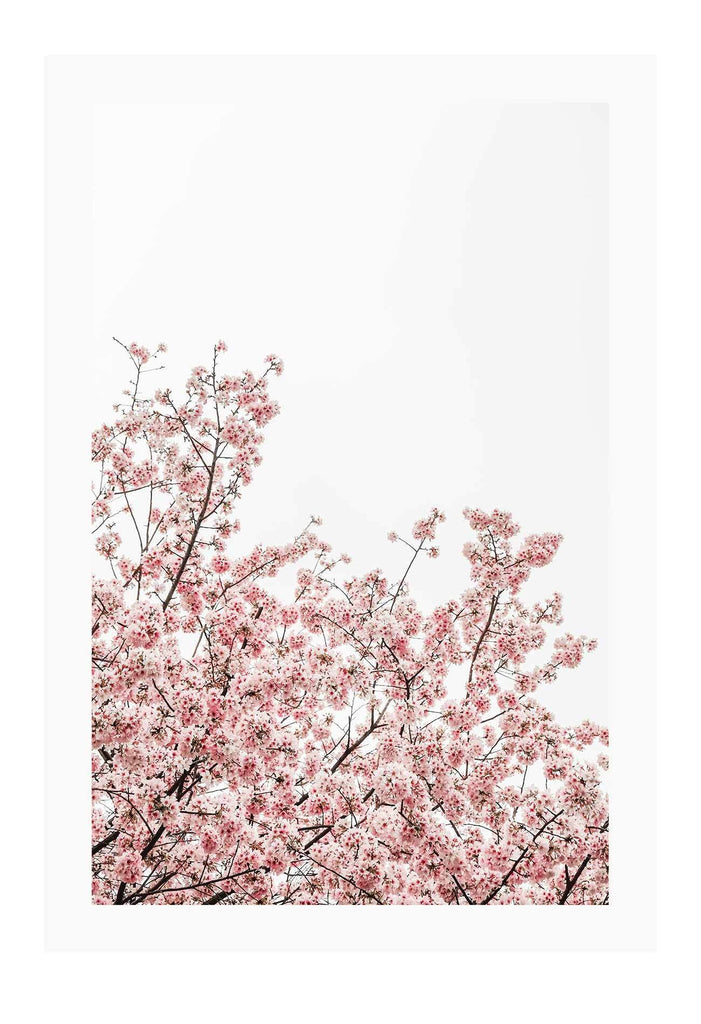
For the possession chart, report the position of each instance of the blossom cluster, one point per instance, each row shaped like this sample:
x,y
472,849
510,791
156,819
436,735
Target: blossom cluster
x,y
315,749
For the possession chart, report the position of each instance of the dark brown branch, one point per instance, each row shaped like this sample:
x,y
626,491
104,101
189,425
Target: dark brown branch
x,y
571,882
105,842
495,601
195,532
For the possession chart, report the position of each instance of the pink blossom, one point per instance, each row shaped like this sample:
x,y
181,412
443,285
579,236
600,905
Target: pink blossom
x,y
328,738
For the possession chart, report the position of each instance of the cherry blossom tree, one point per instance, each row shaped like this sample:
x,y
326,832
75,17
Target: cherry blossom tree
x,y
315,749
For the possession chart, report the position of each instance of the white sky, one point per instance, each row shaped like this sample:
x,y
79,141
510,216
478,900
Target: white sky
x,y
434,274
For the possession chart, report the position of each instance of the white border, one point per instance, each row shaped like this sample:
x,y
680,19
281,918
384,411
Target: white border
x,y
627,84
